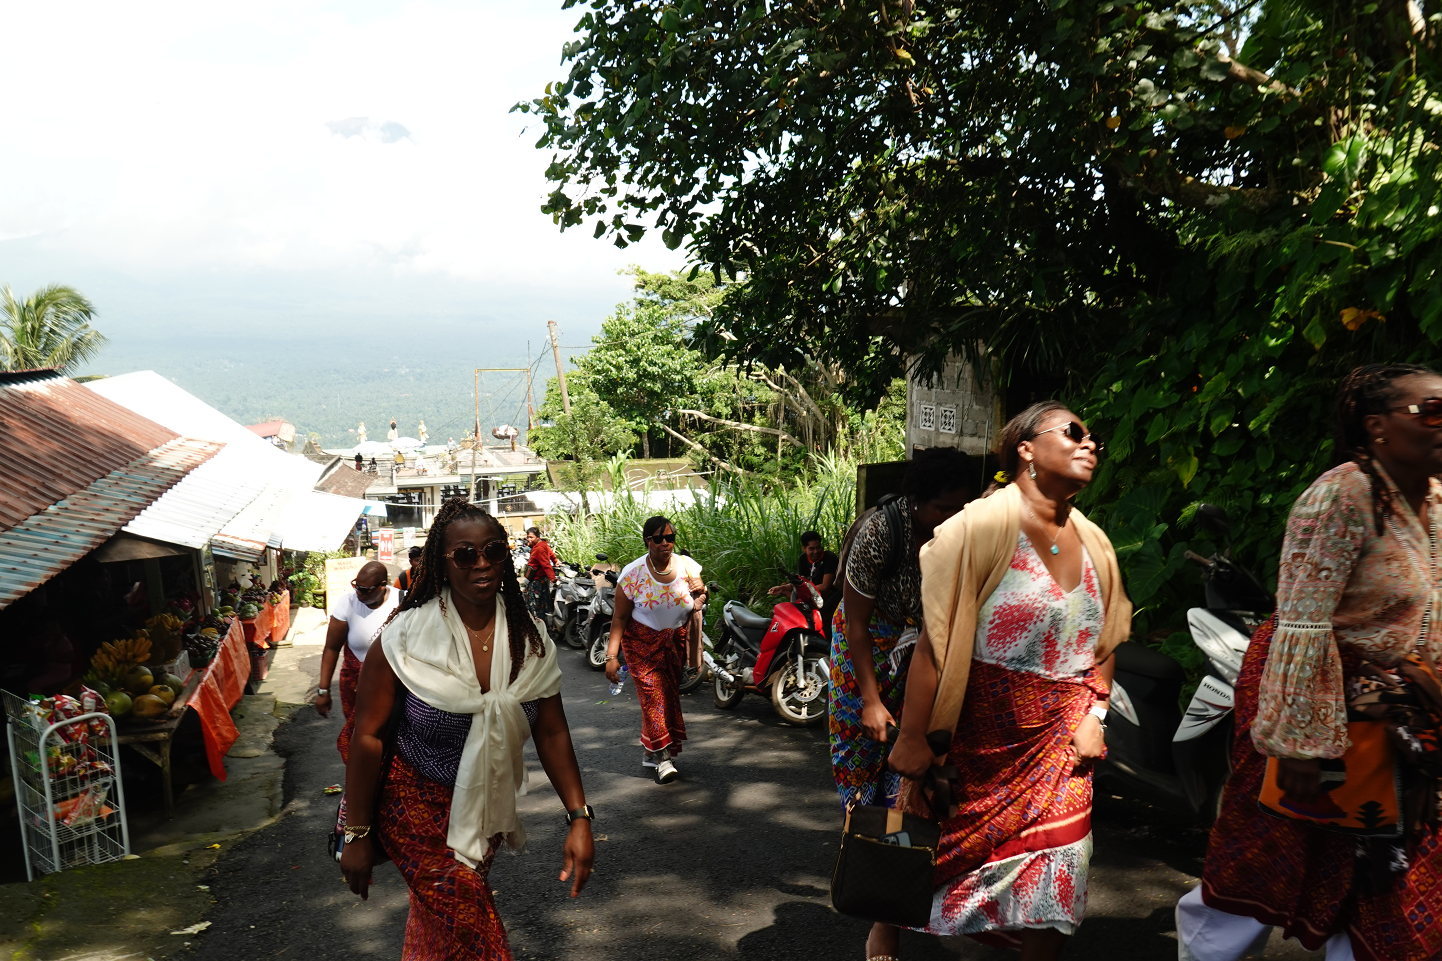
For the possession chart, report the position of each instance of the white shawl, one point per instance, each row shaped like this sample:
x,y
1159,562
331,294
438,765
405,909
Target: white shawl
x,y
430,652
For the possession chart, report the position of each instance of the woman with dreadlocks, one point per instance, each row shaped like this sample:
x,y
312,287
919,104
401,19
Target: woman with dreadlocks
x,y
1352,644
456,682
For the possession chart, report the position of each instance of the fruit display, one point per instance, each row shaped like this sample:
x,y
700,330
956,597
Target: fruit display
x,y
149,707
165,631
248,610
115,660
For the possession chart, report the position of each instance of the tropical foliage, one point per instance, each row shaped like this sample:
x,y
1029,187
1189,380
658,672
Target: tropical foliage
x,y
50,328
1187,216
743,531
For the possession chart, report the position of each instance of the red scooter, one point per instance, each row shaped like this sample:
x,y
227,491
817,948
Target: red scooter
x,y
784,655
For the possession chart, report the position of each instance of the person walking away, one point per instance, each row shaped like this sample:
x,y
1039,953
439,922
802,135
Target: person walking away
x,y
407,577
1024,606
540,571
656,597
469,674
817,565
1357,596
353,625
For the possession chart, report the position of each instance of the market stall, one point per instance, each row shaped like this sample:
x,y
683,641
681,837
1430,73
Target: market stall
x,y
210,691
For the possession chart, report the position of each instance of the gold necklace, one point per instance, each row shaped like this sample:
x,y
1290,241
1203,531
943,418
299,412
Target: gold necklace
x,y
484,636
652,564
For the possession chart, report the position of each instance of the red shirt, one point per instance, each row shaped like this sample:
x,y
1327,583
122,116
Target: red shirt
x,y
542,562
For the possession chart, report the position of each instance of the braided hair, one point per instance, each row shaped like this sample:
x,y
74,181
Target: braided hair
x,y
431,578
1365,391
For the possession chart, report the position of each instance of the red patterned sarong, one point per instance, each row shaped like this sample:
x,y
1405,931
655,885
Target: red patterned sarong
x,y
1303,879
654,659
1016,852
453,916
350,668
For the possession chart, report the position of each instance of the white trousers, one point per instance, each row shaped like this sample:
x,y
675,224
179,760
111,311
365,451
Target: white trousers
x,y
1208,934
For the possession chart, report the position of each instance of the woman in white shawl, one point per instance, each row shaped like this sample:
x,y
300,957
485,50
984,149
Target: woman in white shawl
x,y
456,682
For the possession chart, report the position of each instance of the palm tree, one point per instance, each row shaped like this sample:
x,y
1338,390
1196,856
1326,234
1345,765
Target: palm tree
x,y
50,328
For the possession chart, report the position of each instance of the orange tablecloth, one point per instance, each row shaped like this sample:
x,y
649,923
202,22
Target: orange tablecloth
x,y
221,685
280,627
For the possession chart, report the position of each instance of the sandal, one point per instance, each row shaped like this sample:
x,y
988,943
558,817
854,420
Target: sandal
x,y
882,957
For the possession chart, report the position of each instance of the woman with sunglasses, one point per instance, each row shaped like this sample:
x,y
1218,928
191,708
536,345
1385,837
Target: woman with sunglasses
x,y
353,624
1023,606
656,596
1357,595
458,679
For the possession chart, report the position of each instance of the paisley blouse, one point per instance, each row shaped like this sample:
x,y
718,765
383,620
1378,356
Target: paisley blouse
x,y
1341,585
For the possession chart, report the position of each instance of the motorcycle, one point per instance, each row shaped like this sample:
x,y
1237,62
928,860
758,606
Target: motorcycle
x,y
784,656
598,630
571,605
1179,755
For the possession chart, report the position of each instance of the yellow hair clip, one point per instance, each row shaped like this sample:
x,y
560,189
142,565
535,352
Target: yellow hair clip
x,y
1001,477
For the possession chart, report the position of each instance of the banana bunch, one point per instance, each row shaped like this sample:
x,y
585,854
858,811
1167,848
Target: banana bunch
x,y
165,635
115,658
165,622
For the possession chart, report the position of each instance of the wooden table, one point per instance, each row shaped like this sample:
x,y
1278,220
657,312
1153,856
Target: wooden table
x,y
210,692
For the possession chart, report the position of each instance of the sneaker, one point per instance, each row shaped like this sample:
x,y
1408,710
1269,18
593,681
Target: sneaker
x,y
647,760
666,772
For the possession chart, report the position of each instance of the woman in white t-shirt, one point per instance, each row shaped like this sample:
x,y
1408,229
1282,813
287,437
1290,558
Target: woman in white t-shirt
x,y
354,623
656,596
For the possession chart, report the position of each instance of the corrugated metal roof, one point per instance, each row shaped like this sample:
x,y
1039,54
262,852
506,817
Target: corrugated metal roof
x,y
317,521
52,539
57,438
195,510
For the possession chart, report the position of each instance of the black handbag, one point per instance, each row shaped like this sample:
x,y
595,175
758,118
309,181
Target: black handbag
x,y
884,866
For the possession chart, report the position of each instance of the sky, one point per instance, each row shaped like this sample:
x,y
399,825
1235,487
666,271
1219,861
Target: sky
x,y
346,176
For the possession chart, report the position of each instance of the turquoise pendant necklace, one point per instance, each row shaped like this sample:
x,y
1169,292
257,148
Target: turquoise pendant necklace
x,y
1053,549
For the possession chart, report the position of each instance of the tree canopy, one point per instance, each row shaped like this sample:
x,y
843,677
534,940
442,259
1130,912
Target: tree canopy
x,y
1188,217
50,328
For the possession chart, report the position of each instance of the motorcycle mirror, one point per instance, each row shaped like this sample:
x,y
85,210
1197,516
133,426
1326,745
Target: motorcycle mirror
x,y
1214,520
712,587
602,557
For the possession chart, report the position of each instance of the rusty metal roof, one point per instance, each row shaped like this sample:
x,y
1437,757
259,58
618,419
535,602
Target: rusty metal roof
x,y
58,438
54,537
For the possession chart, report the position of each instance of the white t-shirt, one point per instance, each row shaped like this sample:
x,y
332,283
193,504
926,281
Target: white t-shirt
x,y
661,607
362,622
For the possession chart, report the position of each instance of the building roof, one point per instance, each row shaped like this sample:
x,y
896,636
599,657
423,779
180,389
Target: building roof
x,y
57,438
50,540
345,480
255,503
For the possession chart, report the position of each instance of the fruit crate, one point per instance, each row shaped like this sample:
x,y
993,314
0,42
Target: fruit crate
x,y
67,787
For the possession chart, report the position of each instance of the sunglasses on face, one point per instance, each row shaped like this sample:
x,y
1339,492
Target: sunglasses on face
x,y
466,555
1076,434
365,588
663,538
1429,412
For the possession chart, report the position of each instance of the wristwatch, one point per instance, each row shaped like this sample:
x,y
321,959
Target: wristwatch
x,y
322,692
584,811
353,834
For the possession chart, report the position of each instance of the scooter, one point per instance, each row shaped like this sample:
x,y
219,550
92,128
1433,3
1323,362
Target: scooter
x,y
571,605
1178,755
783,656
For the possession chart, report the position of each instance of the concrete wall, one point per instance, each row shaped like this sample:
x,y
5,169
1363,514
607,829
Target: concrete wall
x,y
956,411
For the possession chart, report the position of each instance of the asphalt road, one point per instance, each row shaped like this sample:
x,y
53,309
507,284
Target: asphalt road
x,y
733,860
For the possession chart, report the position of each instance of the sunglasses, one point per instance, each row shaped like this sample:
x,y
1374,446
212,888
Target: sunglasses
x,y
663,538
365,588
466,555
1429,412
1075,432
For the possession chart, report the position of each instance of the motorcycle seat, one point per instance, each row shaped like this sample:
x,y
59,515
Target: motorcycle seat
x,y
745,619
1139,660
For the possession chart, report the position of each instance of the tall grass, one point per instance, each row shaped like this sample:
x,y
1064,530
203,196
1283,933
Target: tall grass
x,y
744,531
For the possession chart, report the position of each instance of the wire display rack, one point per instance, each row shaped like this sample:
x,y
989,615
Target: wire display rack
x,y
67,787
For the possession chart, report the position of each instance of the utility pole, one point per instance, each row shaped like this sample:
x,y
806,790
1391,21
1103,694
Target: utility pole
x,y
530,397
560,371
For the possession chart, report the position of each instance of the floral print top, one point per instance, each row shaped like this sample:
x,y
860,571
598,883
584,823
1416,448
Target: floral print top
x,y
1339,584
1030,624
661,607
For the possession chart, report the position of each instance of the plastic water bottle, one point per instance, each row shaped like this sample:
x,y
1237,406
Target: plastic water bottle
x,y
618,685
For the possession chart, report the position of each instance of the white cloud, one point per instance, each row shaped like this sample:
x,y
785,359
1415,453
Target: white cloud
x,y
291,137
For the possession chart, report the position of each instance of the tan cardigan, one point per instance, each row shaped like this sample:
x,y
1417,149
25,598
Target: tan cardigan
x,y
961,566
